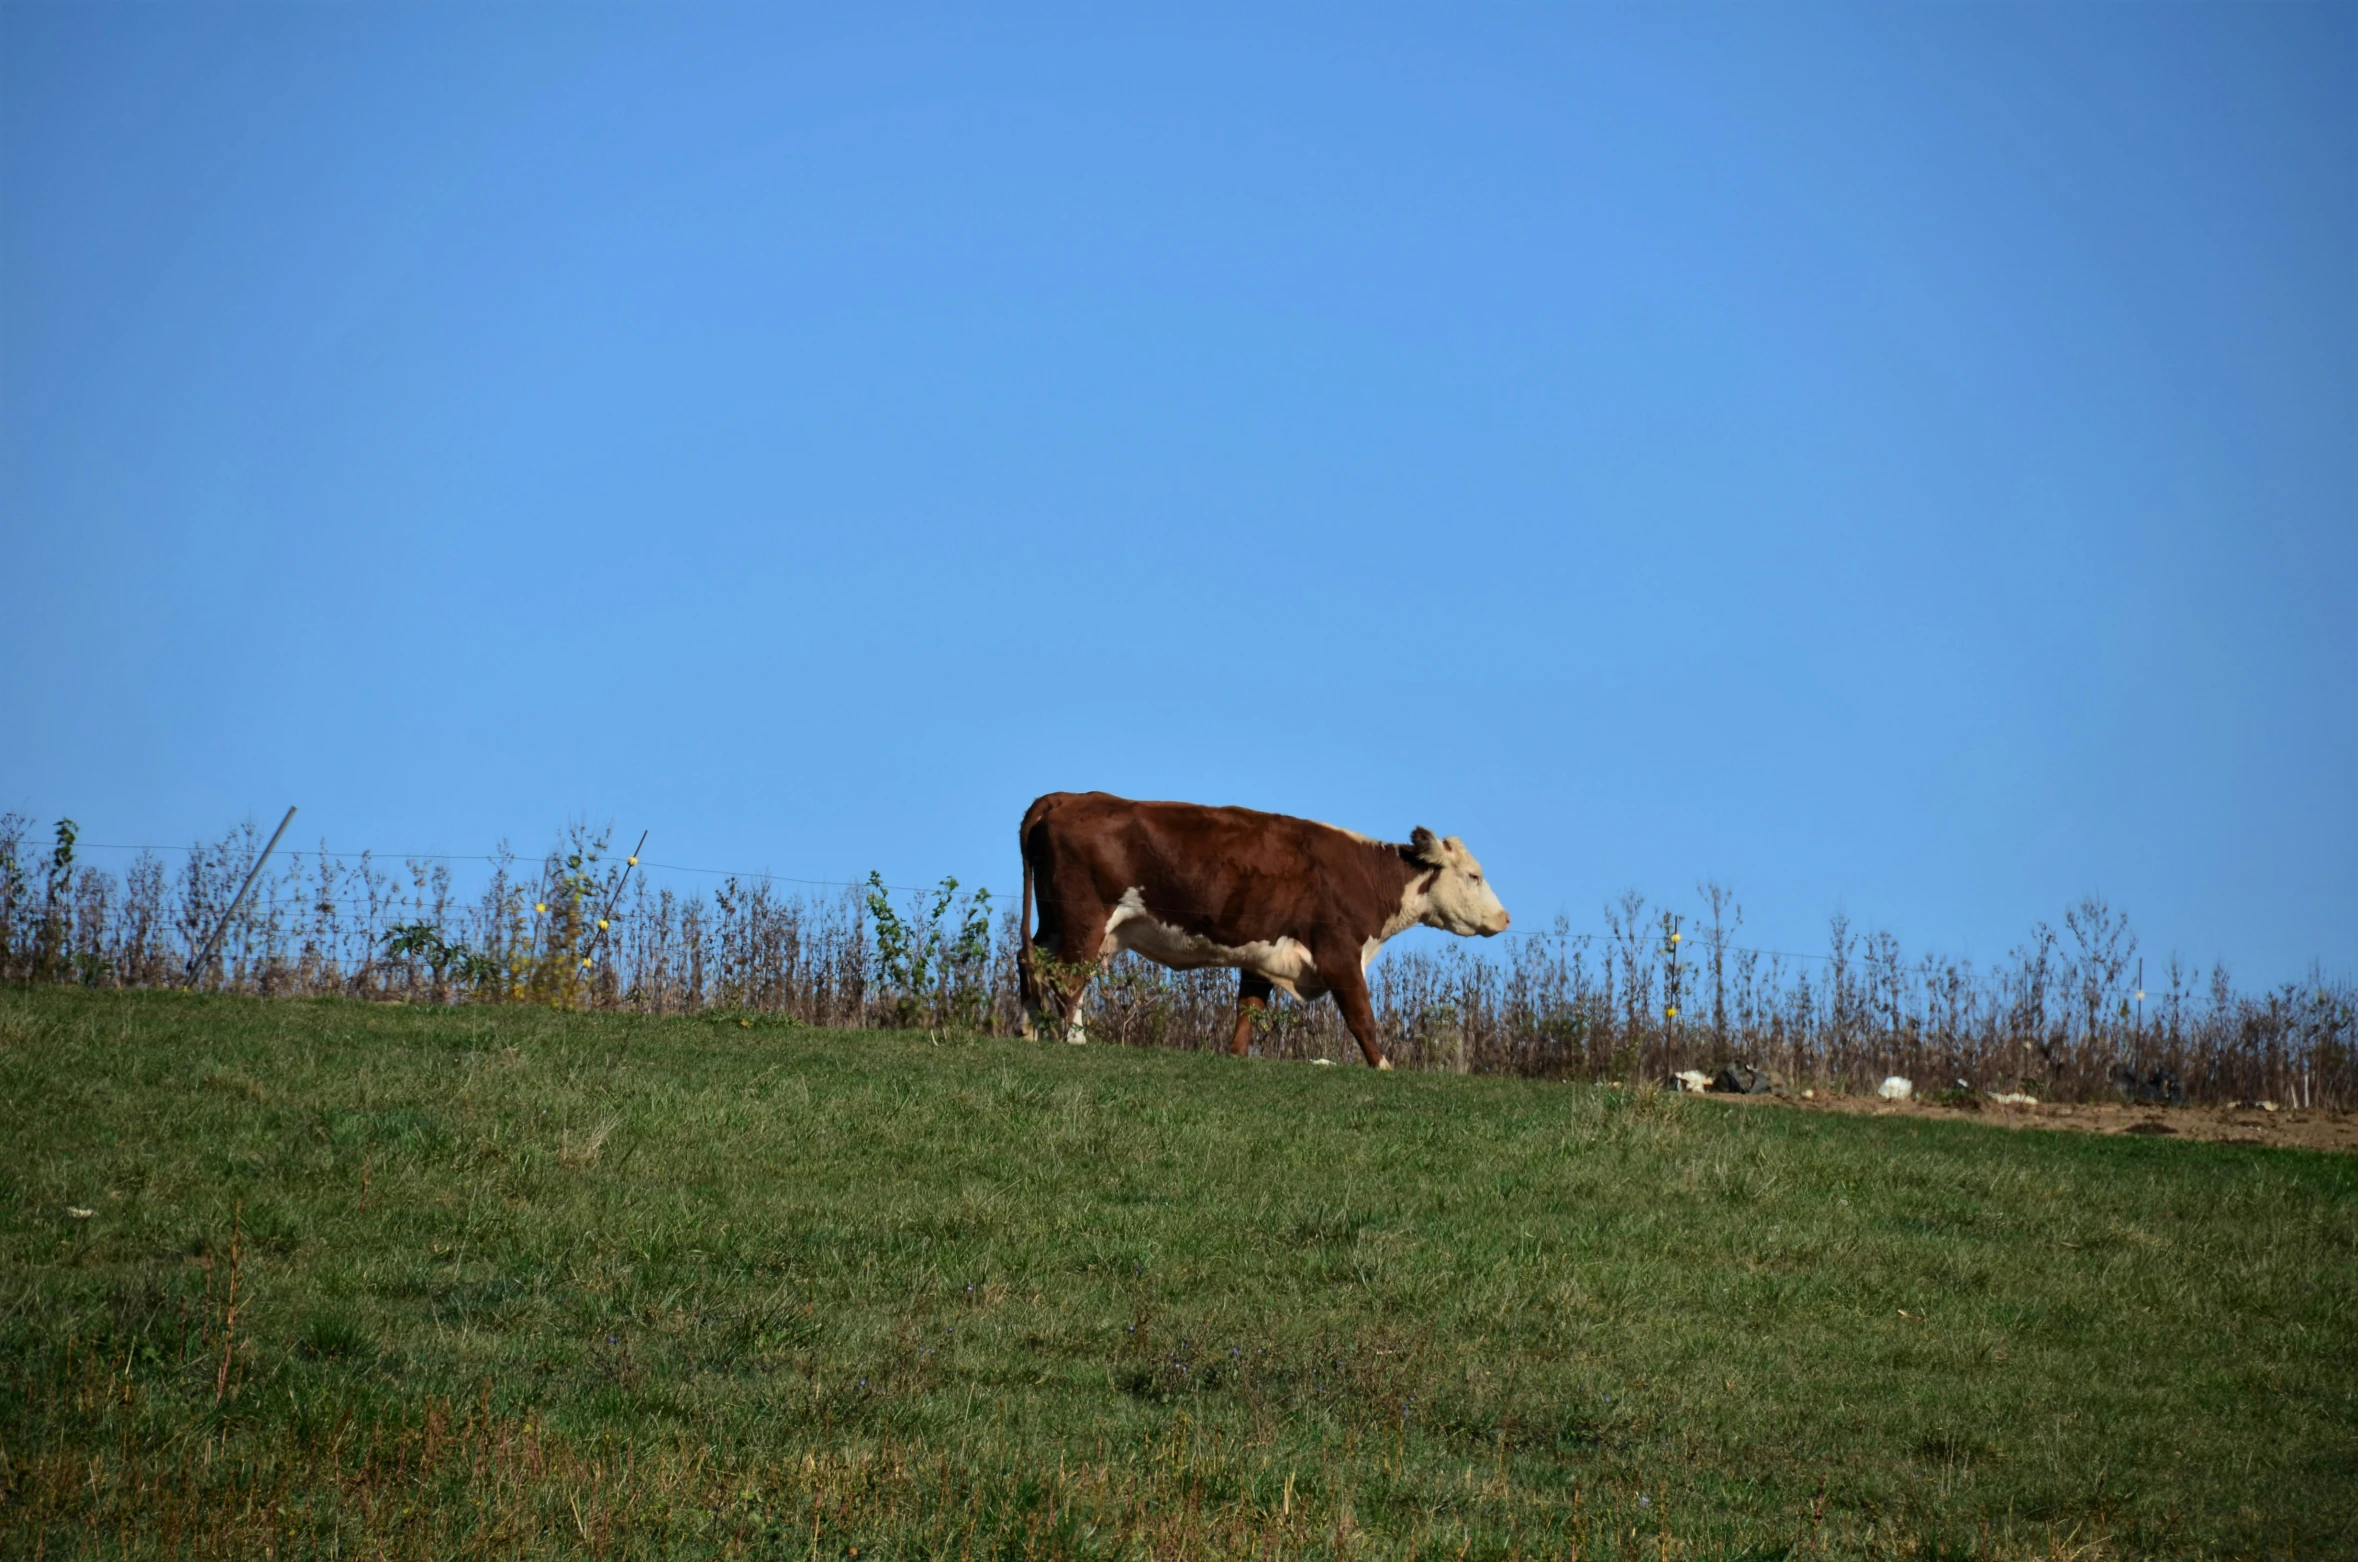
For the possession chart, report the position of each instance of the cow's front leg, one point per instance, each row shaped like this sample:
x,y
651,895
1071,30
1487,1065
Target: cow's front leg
x,y
1252,996
1349,985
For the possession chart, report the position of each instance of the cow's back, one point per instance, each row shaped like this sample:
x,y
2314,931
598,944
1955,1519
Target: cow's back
x,y
1237,874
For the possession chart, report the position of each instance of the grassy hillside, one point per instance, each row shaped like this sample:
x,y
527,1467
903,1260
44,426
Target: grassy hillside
x,y
519,1283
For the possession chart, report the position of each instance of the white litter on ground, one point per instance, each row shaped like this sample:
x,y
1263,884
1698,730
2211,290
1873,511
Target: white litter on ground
x,y
1896,1089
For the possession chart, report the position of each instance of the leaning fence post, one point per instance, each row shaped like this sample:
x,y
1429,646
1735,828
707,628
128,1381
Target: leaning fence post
x,y
598,939
197,961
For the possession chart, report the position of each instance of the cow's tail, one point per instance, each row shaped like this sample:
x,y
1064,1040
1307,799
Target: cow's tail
x,y
1024,923
1026,981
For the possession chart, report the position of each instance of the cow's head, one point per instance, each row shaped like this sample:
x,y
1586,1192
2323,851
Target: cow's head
x,y
1457,899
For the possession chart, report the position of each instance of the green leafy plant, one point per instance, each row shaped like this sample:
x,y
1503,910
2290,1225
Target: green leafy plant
x,y
574,916
929,971
50,959
448,959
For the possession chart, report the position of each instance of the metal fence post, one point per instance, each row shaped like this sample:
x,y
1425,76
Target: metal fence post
x,y
197,961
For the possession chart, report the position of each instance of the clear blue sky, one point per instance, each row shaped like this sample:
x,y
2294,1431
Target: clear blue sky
x,y
1898,460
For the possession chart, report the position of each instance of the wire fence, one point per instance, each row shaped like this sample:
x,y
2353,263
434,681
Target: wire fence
x,y
1658,990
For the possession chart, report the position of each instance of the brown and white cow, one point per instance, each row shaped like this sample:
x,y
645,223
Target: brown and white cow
x,y
1289,902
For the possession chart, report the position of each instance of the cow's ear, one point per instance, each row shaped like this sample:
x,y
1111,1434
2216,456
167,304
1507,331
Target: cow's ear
x,y
1424,848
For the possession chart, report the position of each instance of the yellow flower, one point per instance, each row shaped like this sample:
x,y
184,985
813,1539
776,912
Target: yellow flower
x,y
1670,1013
540,908
633,861
585,965
601,924
1675,937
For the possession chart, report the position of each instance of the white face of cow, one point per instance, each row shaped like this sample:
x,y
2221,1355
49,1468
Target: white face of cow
x,y
1459,900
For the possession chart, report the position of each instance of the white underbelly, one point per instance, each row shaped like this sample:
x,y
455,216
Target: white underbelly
x,y
1285,962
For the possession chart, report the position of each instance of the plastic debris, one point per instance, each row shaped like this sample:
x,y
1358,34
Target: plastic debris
x,y
1897,1089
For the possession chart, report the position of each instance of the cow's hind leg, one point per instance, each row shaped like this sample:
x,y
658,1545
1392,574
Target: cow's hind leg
x,y
1055,964
1051,990
1252,996
1076,1019
1350,990
1061,982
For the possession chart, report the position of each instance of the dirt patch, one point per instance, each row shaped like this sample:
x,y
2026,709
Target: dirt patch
x,y
2287,1128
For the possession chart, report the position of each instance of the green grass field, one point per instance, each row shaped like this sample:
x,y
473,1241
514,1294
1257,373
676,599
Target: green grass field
x,y
517,1283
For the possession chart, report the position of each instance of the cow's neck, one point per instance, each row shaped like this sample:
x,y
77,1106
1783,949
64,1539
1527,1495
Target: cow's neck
x,y
1411,883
